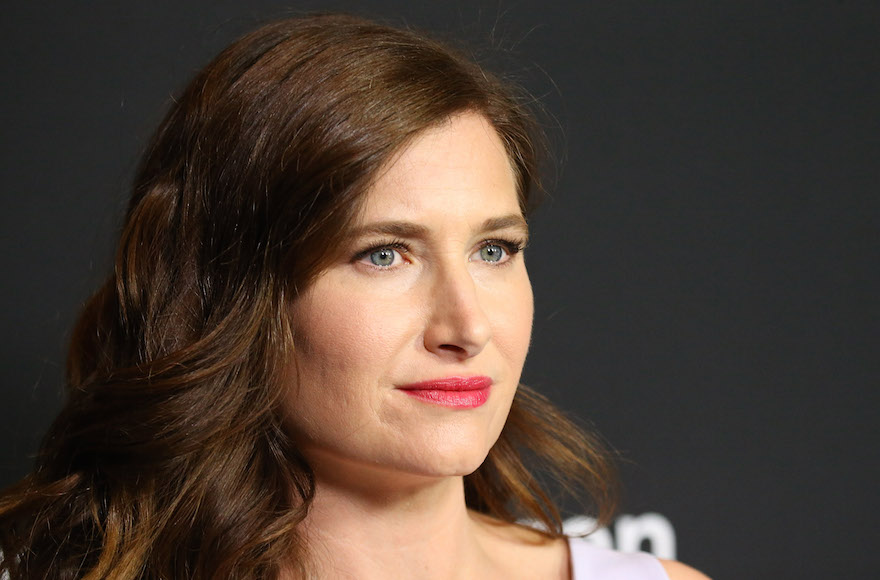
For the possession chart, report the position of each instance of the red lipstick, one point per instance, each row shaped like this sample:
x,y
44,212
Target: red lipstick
x,y
456,392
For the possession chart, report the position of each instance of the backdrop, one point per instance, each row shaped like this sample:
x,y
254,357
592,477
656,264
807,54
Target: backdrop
x,y
705,271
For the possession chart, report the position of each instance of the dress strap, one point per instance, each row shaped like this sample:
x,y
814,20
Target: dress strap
x,y
591,562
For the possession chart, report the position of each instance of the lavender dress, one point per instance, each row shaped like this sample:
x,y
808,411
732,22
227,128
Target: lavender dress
x,y
591,562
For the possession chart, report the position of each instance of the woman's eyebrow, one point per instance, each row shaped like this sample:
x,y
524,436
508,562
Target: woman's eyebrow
x,y
404,229
514,220
394,228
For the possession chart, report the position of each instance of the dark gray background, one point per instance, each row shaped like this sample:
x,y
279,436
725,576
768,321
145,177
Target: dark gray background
x,y
706,271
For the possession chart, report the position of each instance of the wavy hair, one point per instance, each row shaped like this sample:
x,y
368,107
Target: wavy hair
x,y
169,458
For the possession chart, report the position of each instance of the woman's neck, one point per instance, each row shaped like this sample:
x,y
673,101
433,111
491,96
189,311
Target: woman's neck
x,y
371,523
415,528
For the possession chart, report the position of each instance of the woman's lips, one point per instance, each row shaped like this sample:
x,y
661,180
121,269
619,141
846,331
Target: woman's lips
x,y
456,392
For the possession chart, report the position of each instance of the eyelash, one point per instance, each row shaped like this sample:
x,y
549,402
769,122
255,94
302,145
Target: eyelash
x,y
511,246
394,244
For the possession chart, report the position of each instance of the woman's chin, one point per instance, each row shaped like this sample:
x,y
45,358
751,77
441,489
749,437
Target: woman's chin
x,y
453,455
442,461
411,468
455,465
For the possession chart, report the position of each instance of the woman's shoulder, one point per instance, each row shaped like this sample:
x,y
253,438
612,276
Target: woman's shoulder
x,y
678,571
526,552
591,561
519,551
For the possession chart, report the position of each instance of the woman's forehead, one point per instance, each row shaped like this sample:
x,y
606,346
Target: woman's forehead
x,y
459,166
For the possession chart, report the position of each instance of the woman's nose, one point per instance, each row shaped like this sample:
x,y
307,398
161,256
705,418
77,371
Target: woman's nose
x,y
457,326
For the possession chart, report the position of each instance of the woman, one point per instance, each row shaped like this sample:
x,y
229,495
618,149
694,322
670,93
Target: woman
x,y
305,363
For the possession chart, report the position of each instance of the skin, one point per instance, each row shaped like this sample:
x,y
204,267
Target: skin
x,y
439,309
449,297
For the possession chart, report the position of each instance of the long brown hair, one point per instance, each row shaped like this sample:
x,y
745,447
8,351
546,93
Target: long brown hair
x,y
169,459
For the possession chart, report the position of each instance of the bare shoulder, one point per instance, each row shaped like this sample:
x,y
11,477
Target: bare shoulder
x,y
678,571
522,552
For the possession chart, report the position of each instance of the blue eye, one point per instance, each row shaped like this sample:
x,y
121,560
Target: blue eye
x,y
492,253
383,257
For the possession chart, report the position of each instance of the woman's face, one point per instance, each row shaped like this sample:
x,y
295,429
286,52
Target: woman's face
x,y
409,348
